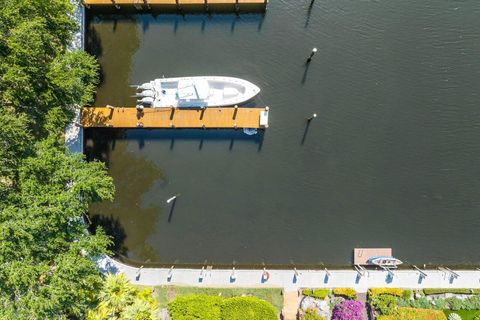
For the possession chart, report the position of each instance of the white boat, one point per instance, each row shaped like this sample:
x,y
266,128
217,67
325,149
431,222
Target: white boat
x,y
187,92
385,261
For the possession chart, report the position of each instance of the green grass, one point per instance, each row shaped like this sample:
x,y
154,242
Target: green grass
x,y
465,314
165,294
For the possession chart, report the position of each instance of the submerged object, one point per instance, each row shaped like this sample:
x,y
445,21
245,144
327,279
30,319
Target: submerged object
x,y
204,91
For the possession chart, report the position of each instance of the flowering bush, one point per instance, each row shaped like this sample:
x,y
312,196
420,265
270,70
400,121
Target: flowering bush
x,y
348,310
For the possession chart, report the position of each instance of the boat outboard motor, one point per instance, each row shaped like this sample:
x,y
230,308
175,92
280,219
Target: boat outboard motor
x,y
145,86
146,93
146,100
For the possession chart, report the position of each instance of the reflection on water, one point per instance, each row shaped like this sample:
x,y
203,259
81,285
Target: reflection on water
x,y
113,40
130,219
391,160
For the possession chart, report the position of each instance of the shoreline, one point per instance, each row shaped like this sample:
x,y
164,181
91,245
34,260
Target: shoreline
x,y
290,279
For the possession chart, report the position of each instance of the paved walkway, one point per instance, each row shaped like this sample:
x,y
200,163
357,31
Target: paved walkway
x,y
286,279
291,302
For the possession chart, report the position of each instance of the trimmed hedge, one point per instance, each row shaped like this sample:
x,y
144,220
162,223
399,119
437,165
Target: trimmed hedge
x,y
415,314
430,291
397,292
316,293
196,307
241,308
347,293
203,307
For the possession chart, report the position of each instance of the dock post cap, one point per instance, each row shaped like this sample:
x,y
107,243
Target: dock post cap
x,y
110,106
314,50
267,108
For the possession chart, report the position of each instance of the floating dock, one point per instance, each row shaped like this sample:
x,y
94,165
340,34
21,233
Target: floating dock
x,y
186,118
180,5
361,255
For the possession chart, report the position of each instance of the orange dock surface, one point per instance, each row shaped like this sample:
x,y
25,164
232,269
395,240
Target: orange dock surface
x,y
208,118
361,255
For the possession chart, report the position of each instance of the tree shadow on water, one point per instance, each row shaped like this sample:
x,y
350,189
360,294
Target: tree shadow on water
x,y
112,228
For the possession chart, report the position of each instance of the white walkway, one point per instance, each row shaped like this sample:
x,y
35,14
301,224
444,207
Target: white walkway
x,y
285,278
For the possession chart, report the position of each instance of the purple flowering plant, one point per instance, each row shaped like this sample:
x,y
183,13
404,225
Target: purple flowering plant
x,y
348,310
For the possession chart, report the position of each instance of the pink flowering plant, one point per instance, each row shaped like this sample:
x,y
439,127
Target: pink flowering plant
x,y
348,310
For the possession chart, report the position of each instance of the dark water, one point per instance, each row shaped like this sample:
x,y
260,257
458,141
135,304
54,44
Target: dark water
x,y
392,160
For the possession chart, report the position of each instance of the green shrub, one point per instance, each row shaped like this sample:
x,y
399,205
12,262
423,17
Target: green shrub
x,y
457,304
372,292
241,308
203,307
386,304
454,316
316,293
196,307
407,294
347,293
421,303
415,314
430,291
311,314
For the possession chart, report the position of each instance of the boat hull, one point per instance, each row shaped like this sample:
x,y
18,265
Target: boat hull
x,y
196,92
385,261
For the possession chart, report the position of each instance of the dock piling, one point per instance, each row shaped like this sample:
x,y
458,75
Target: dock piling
x,y
117,6
422,274
312,117
314,50
233,276
237,7
170,274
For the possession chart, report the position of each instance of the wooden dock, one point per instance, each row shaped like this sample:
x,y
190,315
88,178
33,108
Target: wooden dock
x,y
180,5
207,118
361,255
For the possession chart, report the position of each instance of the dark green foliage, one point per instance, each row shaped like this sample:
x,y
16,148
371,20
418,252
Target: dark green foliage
x,y
205,307
36,72
46,266
316,293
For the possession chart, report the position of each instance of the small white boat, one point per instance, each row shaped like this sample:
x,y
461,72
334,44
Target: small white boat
x,y
384,261
207,91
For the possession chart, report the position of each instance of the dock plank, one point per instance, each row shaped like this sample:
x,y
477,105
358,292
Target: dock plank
x,y
361,255
129,117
